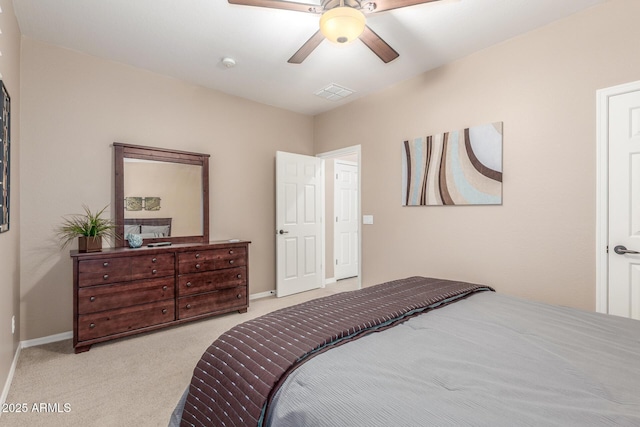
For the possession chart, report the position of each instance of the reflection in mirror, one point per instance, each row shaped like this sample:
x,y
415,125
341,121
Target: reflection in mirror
x,y
161,194
154,189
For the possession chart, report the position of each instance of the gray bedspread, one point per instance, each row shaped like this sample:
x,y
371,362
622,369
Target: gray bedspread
x,y
489,360
235,378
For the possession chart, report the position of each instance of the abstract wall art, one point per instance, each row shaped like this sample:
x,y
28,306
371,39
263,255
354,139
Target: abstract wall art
x,y
462,167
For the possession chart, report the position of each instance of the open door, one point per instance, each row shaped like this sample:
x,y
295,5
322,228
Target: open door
x,y
624,204
299,224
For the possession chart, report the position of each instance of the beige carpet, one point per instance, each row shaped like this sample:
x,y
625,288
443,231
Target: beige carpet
x,y
135,381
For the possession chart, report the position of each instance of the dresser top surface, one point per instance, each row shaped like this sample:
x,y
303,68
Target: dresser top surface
x,y
174,247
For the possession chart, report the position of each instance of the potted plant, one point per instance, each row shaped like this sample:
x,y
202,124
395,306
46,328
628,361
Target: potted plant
x,y
89,228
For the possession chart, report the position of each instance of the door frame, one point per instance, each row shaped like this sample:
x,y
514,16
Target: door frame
x,y
341,152
602,189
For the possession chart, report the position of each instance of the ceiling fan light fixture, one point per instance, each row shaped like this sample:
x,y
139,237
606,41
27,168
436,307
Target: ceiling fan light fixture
x,y
342,24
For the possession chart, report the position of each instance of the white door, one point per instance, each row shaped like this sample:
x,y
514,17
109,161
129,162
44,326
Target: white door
x,y
624,205
346,217
299,226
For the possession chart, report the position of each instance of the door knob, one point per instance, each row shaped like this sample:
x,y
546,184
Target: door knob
x,y
283,232
621,250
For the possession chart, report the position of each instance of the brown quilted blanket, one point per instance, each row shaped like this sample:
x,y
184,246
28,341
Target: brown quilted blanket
x,y
235,378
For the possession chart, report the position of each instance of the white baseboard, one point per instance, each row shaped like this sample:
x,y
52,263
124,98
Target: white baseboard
x,y
330,280
262,295
65,336
26,344
46,340
68,335
7,384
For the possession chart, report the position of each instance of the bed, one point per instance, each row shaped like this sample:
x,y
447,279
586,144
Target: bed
x,y
415,352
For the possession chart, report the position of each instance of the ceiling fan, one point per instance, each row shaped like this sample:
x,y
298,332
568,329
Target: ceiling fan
x,y
341,21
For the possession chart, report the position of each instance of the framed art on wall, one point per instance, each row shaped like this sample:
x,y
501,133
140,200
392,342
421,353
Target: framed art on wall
x,y
133,203
462,167
152,203
5,158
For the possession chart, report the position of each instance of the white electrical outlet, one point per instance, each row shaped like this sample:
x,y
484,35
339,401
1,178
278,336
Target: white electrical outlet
x,y
13,325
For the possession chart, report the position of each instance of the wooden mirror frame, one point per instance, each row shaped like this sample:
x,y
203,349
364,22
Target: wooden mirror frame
x,y
128,151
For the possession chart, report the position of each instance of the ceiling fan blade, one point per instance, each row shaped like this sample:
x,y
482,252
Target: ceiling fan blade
x,y
378,46
374,6
278,4
306,48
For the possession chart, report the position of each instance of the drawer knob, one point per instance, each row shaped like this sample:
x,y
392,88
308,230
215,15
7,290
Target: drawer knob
x,y
239,276
231,252
239,296
188,284
197,255
92,299
198,266
154,260
154,271
105,277
230,261
164,288
106,264
93,325
164,311
188,306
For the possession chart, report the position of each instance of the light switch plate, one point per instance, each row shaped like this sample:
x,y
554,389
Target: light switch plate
x,y
367,219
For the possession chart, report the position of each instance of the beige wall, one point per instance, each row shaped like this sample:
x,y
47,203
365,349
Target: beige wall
x,y
76,105
10,240
540,243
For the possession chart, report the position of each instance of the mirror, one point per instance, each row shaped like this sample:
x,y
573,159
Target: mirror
x,y
161,194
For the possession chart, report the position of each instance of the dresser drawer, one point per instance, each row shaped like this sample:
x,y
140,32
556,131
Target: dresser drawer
x,y
208,281
106,297
97,325
148,266
123,291
217,301
110,270
192,262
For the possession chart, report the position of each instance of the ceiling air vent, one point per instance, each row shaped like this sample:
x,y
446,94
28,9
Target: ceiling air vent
x,y
334,92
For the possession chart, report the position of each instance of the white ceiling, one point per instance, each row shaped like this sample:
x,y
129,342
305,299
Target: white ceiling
x,y
187,39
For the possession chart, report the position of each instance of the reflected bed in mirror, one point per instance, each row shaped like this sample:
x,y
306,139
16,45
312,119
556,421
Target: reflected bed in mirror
x,y
161,194
148,227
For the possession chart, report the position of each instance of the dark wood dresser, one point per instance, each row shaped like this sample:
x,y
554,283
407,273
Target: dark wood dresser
x,y
121,291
